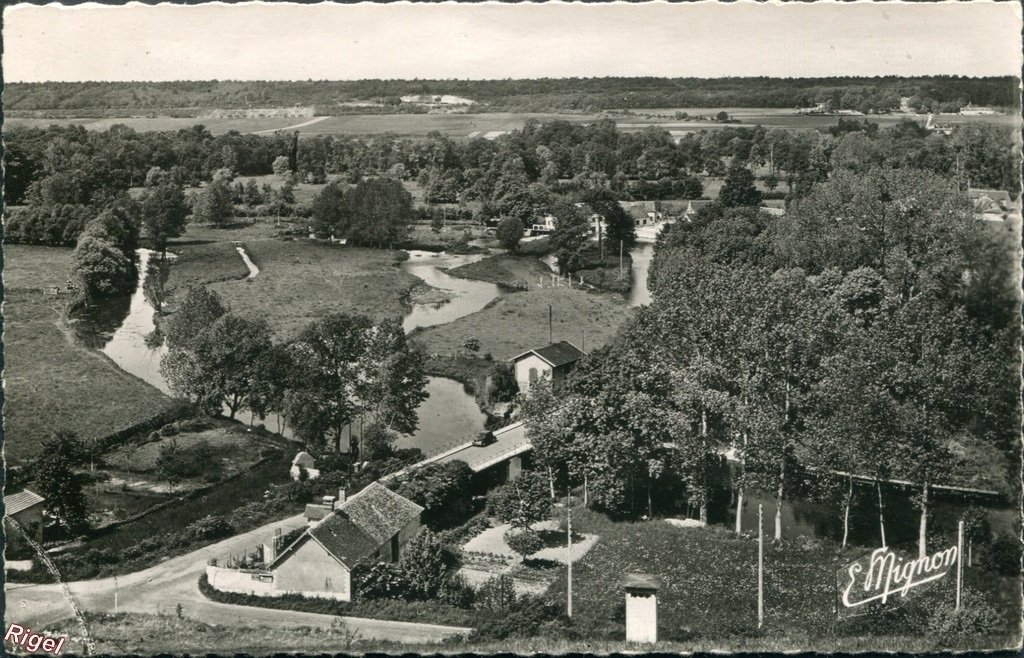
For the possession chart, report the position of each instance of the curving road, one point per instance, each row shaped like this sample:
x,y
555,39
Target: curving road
x,y
161,588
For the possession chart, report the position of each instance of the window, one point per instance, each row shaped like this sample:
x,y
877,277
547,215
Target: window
x,y
394,548
533,375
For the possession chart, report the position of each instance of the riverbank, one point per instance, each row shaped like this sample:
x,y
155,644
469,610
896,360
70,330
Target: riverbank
x,y
511,271
51,379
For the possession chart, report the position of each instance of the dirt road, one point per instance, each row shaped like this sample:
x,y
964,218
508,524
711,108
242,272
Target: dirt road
x,y
161,588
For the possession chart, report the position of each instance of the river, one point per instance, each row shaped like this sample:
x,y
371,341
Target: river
x,y
449,414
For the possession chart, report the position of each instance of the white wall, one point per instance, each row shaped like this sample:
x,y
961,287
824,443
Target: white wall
x,y
523,370
641,618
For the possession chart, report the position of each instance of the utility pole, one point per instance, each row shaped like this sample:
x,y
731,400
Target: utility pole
x,y
584,347
760,565
551,329
620,259
959,561
568,551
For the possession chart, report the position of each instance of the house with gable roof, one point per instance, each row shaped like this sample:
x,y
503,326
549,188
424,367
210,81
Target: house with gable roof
x,y
372,526
552,362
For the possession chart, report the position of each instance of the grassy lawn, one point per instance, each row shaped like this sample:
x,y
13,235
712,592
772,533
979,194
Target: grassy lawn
x,y
51,382
709,588
138,634
519,321
299,281
202,263
506,270
237,448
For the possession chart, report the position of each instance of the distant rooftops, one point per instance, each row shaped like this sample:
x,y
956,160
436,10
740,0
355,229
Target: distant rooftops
x,y
555,354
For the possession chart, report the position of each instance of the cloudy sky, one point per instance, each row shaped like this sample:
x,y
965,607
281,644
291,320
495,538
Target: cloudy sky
x,y
285,41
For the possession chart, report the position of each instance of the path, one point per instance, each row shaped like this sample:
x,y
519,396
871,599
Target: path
x,y
298,125
160,588
253,270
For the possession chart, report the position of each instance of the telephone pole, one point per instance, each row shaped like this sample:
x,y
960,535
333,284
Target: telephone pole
x,y
551,330
568,551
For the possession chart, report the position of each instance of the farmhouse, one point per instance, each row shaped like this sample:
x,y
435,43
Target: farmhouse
x,y
643,213
552,362
372,526
990,205
25,507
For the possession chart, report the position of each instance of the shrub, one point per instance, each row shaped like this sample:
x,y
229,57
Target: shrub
x,y
977,616
524,619
525,542
208,527
381,581
456,593
1004,555
496,594
425,565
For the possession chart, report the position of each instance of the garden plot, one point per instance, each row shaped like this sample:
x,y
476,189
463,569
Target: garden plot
x,y
488,555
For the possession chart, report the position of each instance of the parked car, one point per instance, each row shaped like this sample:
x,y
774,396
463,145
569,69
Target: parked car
x,y
484,439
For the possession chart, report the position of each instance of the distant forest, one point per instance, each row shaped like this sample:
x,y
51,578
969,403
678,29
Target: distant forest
x,y
576,94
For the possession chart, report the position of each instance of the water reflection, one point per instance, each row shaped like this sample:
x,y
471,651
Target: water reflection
x,y
468,296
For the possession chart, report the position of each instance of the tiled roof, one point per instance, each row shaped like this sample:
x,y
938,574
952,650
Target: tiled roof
x,y
379,511
343,539
21,501
556,354
316,512
364,523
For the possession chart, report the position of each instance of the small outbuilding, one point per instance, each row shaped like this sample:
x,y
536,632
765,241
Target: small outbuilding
x,y
304,461
26,508
552,362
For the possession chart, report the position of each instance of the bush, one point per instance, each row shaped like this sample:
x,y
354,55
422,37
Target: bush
x,y
208,527
456,593
977,616
496,594
425,564
1004,555
524,619
381,581
525,542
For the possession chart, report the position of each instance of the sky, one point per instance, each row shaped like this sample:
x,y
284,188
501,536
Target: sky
x,y
279,41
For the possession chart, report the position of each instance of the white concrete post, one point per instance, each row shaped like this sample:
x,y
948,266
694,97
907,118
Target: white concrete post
x,y
641,608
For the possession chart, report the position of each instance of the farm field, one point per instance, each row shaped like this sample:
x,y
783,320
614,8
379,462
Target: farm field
x,y
492,124
51,381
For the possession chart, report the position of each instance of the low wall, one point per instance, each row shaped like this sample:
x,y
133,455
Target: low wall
x,y
255,582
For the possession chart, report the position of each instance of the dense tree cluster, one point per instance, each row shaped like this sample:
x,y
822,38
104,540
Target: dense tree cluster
x,y
872,330
538,94
340,370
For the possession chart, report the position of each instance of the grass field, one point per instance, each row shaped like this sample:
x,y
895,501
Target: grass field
x,y
519,321
708,591
301,281
511,271
52,382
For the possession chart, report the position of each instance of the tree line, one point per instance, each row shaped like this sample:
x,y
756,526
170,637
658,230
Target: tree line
x,y
492,95
872,331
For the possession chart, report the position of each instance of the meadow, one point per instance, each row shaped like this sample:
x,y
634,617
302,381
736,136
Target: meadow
x,y
51,380
300,281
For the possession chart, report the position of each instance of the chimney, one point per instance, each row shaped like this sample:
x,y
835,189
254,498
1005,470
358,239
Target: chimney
x,y
341,496
270,547
328,502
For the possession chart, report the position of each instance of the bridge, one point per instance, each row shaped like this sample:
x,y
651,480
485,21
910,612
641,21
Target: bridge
x,y
510,444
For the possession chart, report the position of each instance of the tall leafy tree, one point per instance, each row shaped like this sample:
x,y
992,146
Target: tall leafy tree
x,y
164,213
213,204
57,479
739,189
199,309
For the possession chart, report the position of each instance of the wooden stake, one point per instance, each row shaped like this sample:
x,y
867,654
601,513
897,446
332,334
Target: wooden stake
x,y
760,565
959,561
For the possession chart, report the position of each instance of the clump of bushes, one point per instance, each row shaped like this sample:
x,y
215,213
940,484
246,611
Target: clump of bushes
x,y
208,527
423,573
976,616
526,542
